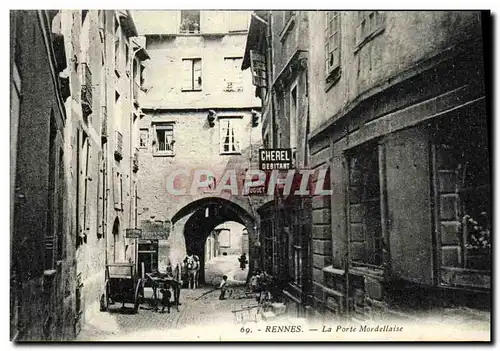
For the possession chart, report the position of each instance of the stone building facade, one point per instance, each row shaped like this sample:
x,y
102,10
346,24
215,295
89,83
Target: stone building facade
x,y
396,109
200,114
40,303
88,197
103,134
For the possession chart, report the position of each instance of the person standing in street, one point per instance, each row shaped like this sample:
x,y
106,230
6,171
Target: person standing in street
x,y
243,261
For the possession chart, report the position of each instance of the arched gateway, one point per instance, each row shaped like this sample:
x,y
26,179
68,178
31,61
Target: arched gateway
x,y
206,214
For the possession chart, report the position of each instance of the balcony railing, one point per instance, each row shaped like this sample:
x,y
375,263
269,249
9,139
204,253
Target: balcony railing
x,y
118,145
136,160
104,123
86,93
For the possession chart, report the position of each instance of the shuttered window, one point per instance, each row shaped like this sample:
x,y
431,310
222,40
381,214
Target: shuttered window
x,y
191,73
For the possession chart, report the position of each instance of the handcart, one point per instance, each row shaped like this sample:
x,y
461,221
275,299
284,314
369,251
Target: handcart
x,y
123,285
164,281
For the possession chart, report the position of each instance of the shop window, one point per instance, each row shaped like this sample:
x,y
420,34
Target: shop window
x,y
191,72
463,189
230,135
190,21
365,230
332,46
369,25
164,142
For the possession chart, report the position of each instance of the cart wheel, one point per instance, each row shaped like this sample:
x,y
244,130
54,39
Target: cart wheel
x,y
137,296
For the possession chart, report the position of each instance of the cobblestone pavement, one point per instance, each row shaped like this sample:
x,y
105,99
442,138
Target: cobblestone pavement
x,y
196,311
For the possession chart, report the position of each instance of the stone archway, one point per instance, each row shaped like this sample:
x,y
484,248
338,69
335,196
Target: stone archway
x,y
199,226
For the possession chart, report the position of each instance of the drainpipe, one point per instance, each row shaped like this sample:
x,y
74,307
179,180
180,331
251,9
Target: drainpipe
x,y
131,147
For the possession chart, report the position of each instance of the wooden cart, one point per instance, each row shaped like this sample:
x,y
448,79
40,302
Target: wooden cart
x,y
123,285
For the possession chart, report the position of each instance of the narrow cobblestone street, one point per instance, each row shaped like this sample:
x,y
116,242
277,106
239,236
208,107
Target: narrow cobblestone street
x,y
196,308
194,311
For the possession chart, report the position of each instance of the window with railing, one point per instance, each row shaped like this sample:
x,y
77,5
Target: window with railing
x,y
190,21
164,139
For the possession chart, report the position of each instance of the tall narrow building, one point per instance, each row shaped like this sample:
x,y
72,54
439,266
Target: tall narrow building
x,y
200,115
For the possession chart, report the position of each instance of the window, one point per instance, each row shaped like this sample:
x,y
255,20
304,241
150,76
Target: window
x,y
191,74
297,245
164,143
190,22
365,228
332,45
233,81
144,138
369,24
463,191
230,135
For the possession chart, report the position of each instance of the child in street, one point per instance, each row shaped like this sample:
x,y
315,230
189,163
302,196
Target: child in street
x,y
224,287
165,300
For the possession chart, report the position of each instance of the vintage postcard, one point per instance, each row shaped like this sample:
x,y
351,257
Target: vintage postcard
x,y
267,175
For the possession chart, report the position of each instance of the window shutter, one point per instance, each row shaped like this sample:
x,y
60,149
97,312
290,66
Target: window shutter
x,y
187,74
197,83
409,216
116,189
257,61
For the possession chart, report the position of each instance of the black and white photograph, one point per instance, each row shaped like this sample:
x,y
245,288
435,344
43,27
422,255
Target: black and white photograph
x,y
250,175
